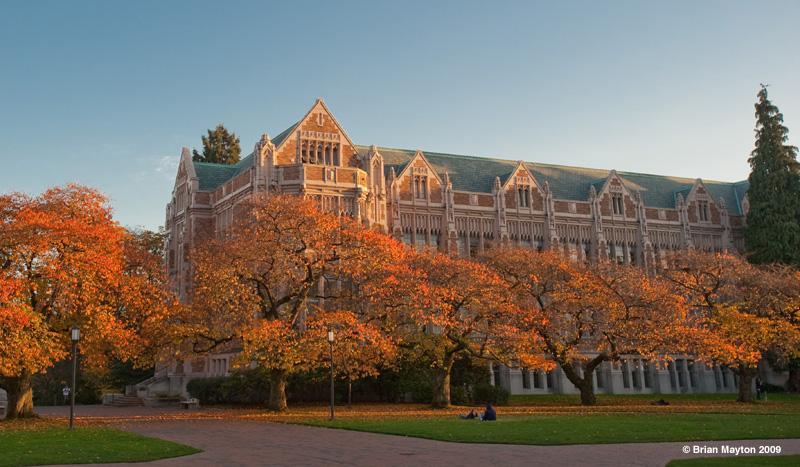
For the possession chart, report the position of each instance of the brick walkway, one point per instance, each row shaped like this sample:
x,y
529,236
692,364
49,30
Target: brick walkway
x,y
253,443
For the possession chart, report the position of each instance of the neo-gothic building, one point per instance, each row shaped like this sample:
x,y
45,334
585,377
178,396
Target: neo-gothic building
x,y
461,205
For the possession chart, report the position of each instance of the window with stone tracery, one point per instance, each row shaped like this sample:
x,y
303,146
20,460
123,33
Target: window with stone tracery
x,y
617,204
319,152
702,211
524,196
421,186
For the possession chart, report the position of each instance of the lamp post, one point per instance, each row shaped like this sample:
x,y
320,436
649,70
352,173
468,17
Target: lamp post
x,y
75,336
330,341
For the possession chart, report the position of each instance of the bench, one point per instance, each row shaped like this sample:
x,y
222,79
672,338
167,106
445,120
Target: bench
x,y
190,403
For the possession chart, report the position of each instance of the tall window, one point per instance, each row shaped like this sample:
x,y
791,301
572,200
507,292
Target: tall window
x,y
526,379
319,152
673,382
691,369
537,379
626,375
681,367
616,203
421,187
523,192
637,383
702,208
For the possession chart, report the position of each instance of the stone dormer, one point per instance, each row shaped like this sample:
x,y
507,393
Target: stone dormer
x,y
616,202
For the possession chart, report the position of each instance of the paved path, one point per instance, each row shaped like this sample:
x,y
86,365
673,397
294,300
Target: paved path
x,y
255,443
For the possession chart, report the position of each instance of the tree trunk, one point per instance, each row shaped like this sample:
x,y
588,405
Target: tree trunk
x,y
587,393
277,391
793,383
349,392
20,396
585,385
746,375
441,386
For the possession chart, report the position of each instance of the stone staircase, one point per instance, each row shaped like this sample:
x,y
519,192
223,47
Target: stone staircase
x,y
125,401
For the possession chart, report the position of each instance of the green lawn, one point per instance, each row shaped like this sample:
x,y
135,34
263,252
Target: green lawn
x,y
736,461
782,399
83,446
583,429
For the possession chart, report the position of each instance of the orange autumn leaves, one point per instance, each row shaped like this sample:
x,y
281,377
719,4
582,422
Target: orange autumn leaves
x,y
284,268
65,262
271,281
743,311
25,341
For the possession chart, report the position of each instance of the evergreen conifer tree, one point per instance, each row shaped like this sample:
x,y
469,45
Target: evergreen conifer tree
x,y
773,220
220,147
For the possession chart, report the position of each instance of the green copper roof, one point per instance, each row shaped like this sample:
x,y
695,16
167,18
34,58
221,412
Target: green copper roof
x,y
282,135
211,176
472,173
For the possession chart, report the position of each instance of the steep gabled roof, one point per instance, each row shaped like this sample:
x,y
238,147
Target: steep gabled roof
x,y
282,135
478,174
473,173
211,176
740,191
467,173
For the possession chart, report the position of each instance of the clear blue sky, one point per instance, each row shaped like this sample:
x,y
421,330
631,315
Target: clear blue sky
x,y
106,93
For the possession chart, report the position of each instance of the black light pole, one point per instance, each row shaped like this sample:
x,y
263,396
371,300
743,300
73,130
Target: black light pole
x,y
76,336
330,341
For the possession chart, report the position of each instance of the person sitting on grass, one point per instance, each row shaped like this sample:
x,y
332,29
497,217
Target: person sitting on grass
x,y
489,415
472,415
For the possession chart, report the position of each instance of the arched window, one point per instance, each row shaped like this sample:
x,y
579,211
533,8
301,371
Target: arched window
x,y
376,173
421,187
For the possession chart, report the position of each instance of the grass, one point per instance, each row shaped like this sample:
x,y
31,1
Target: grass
x,y
545,400
736,461
596,428
82,446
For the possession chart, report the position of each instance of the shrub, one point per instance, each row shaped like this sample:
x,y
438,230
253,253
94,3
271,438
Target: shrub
x,y
242,387
48,386
246,387
460,395
485,392
771,388
207,390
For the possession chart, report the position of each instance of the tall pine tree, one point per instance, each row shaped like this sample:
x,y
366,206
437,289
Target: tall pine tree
x,y
220,147
773,221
